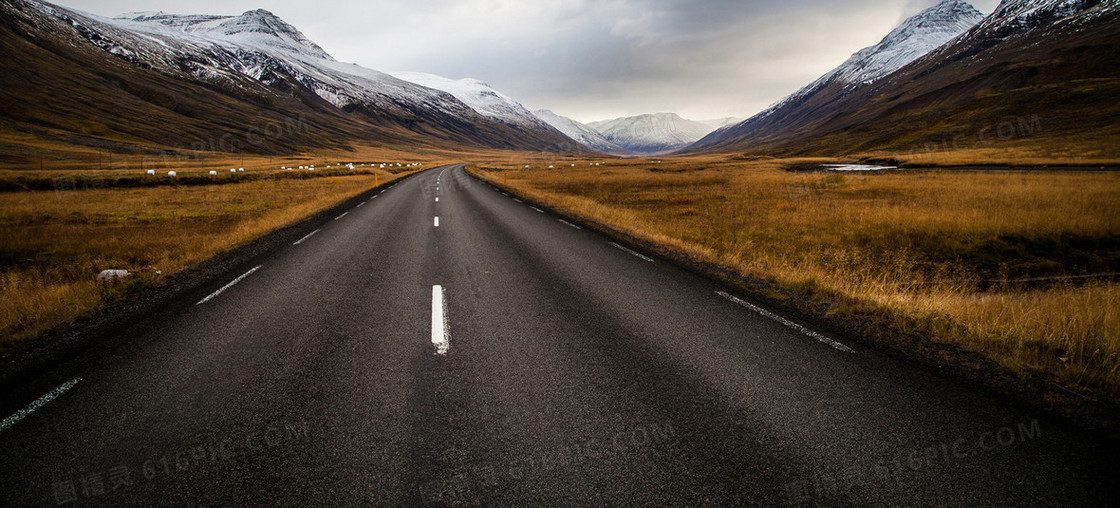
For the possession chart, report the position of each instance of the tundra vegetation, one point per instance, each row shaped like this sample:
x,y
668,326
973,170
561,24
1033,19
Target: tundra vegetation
x,y
60,229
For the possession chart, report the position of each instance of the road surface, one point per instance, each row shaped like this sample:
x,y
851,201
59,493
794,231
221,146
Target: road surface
x,y
443,344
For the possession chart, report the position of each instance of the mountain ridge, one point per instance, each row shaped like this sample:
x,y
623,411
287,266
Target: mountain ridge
x,y
200,75
915,37
1049,69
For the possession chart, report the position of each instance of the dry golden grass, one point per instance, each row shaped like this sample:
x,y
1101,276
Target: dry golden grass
x,y
55,243
937,248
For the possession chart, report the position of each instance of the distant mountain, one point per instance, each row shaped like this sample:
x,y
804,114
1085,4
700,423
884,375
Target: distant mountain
x,y
651,134
180,80
1040,76
580,133
481,97
914,38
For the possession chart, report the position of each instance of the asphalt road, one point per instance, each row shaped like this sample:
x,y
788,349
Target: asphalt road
x,y
506,358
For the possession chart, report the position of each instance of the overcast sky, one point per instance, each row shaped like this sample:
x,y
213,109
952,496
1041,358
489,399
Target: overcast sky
x,y
590,59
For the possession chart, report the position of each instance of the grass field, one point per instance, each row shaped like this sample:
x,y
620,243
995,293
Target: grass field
x,y
1007,264
63,222
54,243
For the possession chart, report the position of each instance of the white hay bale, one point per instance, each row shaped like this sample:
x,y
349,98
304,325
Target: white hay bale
x,y
172,173
151,171
213,173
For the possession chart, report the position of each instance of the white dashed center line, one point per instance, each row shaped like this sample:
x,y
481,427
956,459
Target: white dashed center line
x,y
441,336
227,286
569,224
437,222
537,209
784,321
341,216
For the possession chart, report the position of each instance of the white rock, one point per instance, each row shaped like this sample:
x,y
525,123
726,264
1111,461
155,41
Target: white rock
x,y
110,275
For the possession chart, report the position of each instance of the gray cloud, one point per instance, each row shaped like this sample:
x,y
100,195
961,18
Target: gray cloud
x,y
592,59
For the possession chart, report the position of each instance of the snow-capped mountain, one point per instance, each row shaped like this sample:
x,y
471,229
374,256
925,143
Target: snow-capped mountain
x,y
258,54
914,38
258,28
652,133
480,96
1023,68
579,132
263,47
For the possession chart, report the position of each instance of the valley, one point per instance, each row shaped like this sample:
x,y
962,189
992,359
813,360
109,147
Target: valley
x,y
571,258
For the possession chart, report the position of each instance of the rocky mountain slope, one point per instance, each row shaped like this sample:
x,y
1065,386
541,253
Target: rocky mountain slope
x,y
1039,76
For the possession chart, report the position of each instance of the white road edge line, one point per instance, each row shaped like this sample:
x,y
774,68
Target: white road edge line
x,y
309,235
227,286
437,222
631,252
37,403
518,200
537,209
341,216
569,224
360,205
837,345
441,336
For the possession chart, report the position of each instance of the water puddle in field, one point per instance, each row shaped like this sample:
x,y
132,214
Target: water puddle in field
x,y
856,167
